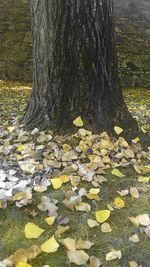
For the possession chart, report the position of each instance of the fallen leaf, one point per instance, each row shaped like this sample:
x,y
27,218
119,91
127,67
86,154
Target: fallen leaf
x,y
79,257
123,192
117,173
50,220
84,244
102,215
69,243
134,192
50,245
92,223
105,228
118,130
134,221
119,203
23,264
61,230
94,262
134,238
56,183
133,264
143,179
135,140
116,254
33,231
144,219
94,191
78,122
82,206
145,169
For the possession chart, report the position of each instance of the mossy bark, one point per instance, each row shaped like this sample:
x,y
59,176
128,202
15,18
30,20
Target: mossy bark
x,y
75,66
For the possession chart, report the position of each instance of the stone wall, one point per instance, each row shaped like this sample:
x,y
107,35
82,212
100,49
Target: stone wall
x,y
15,40
133,41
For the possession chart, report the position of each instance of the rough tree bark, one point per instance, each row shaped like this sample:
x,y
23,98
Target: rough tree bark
x,y
75,66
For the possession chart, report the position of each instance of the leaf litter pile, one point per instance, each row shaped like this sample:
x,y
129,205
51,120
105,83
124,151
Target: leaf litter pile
x,y
78,200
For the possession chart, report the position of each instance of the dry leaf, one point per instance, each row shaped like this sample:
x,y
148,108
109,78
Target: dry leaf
x,y
50,220
133,264
118,130
79,257
78,122
135,140
61,230
134,238
117,173
23,264
116,254
102,215
92,223
143,179
123,192
84,244
94,191
50,245
69,243
144,219
134,221
33,231
94,262
134,192
119,203
82,206
105,228
56,183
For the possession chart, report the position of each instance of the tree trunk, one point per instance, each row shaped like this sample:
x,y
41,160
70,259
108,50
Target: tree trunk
x,y
75,66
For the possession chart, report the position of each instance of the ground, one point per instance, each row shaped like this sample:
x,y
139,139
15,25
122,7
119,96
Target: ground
x,y
37,158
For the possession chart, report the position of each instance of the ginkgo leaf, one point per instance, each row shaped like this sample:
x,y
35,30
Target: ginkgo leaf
x,y
119,203
92,223
105,228
117,173
23,264
136,140
143,179
21,147
56,183
123,192
82,206
78,122
134,238
116,254
84,244
133,264
102,215
61,230
134,192
144,219
50,220
64,178
145,169
79,257
94,191
50,245
134,221
94,262
33,231
118,130
69,243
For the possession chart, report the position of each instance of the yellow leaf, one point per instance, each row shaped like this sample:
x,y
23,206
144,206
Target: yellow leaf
x,y
56,183
105,228
136,140
102,215
92,223
61,230
82,206
119,203
143,179
133,264
145,169
78,122
50,220
69,243
94,191
50,245
23,264
33,231
118,130
22,195
64,178
134,192
20,147
79,257
84,244
134,221
117,173
116,254
91,196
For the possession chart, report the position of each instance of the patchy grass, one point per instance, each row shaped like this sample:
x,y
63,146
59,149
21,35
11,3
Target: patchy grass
x,y
12,220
